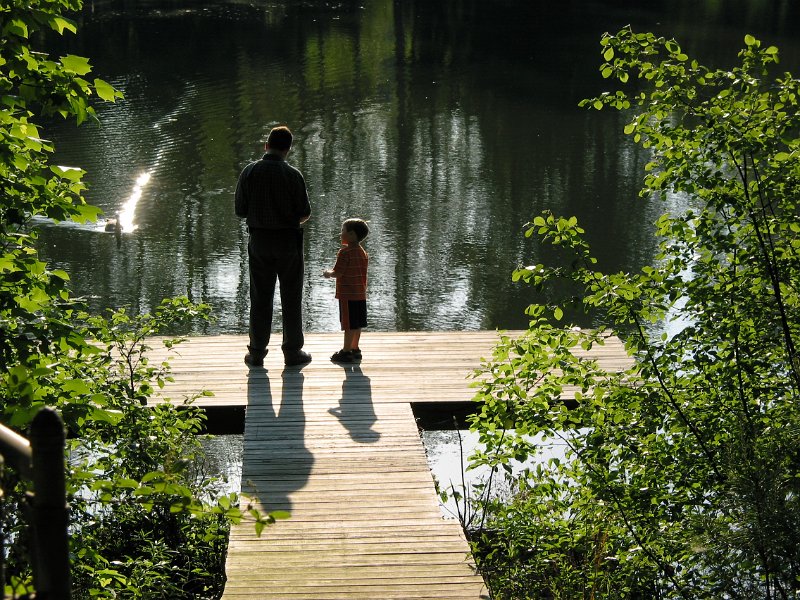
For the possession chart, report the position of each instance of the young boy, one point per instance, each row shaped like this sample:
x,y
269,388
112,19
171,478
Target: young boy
x,y
350,272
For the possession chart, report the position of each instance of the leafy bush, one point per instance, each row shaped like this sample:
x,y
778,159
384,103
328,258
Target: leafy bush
x,y
681,475
145,518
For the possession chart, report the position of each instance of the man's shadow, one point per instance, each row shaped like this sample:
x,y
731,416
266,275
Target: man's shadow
x,y
275,460
355,411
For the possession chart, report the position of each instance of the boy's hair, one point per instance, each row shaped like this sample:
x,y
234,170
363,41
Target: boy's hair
x,y
280,138
358,226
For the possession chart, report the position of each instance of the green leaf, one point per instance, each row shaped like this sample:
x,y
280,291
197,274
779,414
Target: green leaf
x,y
106,91
16,27
749,40
20,162
608,54
70,173
77,386
34,303
59,24
76,64
112,417
152,476
86,213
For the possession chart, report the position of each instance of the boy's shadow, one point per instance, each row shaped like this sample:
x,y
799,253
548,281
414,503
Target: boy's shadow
x,y
275,460
355,411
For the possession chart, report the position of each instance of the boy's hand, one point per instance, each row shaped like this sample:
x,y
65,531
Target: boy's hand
x,y
328,274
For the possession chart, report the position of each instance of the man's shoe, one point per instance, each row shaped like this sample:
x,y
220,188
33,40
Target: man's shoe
x,y
254,358
356,353
296,358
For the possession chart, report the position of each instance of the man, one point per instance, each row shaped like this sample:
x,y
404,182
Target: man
x,y
272,196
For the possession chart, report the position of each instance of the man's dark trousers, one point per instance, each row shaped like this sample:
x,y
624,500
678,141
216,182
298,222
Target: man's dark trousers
x,y
276,254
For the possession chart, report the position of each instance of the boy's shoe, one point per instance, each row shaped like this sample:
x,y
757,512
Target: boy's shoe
x,y
296,358
254,358
343,356
356,353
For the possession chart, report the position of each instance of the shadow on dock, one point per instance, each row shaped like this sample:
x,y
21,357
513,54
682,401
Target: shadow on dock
x,y
355,411
275,460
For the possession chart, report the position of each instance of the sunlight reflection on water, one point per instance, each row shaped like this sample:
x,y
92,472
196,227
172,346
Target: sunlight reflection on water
x,y
127,212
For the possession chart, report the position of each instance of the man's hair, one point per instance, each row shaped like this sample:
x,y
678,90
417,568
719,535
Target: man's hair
x,y
280,138
359,226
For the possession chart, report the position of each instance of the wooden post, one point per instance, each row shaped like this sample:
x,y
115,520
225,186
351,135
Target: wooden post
x,y
50,516
16,451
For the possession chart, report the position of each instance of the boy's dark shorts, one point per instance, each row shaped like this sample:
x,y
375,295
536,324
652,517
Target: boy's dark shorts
x,y
353,314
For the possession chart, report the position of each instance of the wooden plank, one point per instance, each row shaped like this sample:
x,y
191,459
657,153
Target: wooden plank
x,y
338,447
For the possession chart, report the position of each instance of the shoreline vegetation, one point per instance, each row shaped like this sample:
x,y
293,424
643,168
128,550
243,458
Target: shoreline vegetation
x,y
680,478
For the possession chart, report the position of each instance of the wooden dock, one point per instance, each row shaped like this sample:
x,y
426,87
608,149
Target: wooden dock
x,y
338,447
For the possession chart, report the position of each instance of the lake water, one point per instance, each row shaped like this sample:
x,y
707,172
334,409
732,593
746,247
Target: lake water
x,y
448,124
